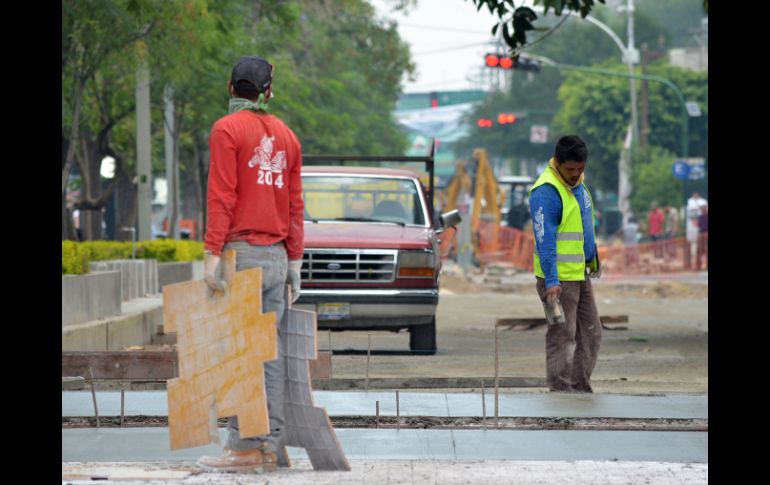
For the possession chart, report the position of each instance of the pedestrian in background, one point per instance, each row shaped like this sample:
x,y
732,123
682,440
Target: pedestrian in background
x,y
655,221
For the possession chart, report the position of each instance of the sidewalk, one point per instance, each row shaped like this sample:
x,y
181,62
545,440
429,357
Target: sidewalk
x,y
434,472
434,456
152,444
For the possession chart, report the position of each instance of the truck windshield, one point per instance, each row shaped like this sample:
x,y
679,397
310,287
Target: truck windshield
x,y
364,199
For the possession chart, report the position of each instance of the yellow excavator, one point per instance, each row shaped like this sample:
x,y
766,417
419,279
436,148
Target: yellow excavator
x,y
479,182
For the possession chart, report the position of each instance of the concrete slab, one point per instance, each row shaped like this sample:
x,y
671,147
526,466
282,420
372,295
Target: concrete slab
x,y
342,403
152,444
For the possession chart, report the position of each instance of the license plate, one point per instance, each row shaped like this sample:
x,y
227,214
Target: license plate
x,y
334,311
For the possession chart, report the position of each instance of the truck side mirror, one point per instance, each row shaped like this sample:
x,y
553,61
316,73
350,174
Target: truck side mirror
x,y
450,219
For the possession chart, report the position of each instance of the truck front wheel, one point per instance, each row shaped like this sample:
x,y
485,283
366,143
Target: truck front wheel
x,y
422,338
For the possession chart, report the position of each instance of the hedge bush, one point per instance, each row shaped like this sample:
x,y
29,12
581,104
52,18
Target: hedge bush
x,y
76,256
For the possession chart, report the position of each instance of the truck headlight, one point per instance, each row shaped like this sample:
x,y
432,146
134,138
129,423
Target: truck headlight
x,y
416,264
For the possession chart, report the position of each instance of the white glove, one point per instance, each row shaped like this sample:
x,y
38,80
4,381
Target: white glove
x,y
294,278
209,272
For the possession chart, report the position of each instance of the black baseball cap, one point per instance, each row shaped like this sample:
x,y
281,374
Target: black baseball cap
x,y
254,70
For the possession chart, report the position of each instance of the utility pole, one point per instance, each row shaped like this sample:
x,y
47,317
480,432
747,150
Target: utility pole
x,y
172,167
631,56
143,153
644,95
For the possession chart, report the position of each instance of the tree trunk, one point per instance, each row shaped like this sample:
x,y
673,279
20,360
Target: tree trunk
x,y
197,191
67,225
90,165
201,151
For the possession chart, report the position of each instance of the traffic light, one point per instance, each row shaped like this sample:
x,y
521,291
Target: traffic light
x,y
433,99
492,60
484,123
526,64
498,60
504,61
506,118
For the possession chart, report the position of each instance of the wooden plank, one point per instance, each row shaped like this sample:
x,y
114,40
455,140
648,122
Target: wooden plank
x,y
321,368
532,322
529,322
121,364
150,365
425,383
614,319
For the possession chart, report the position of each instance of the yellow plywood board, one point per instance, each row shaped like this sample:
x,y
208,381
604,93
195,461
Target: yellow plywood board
x,y
223,340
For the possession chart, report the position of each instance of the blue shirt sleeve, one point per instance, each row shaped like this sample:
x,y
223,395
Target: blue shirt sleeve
x,y
545,208
589,241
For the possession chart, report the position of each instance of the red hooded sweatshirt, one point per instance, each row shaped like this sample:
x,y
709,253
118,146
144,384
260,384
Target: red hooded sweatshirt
x,y
255,185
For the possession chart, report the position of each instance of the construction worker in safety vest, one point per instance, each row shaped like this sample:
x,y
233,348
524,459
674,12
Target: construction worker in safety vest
x,y
565,252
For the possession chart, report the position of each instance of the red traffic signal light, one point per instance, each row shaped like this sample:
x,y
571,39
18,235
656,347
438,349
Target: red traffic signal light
x,y
499,60
484,123
492,60
506,118
506,62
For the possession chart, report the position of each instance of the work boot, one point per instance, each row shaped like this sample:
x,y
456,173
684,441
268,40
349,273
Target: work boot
x,y
253,460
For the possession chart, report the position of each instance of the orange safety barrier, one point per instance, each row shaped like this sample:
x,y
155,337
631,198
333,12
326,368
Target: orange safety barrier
x,y
511,245
667,256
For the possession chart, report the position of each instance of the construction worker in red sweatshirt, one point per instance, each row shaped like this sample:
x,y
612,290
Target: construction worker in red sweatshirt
x,y
255,207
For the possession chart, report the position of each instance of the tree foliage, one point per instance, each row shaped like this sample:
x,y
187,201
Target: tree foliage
x,y
337,79
516,22
596,107
652,180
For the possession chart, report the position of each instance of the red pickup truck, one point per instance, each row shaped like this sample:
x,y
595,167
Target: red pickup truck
x,y
372,258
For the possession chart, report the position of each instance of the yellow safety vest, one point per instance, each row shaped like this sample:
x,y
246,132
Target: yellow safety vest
x,y
570,257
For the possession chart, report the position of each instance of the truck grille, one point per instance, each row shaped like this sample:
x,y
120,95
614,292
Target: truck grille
x,y
348,265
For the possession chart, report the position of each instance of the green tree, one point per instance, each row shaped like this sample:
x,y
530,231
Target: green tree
x,y
344,71
653,180
337,78
596,107
92,32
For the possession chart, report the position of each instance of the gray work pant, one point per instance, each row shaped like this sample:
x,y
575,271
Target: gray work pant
x,y
274,264
571,349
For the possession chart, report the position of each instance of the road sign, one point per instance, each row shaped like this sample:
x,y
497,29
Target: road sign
x,y
697,167
538,134
681,169
693,108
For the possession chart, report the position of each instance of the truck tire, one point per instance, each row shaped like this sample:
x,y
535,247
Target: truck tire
x,y
422,338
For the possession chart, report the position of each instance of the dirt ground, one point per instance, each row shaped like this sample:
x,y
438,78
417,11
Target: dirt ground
x,y
663,350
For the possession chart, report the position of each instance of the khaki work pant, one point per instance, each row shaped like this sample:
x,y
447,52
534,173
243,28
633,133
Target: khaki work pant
x,y
274,264
571,349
